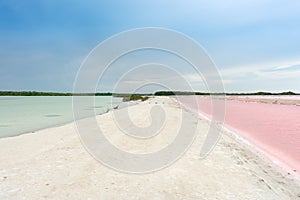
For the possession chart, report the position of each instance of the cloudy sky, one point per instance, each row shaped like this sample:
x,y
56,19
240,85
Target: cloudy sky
x,y
255,44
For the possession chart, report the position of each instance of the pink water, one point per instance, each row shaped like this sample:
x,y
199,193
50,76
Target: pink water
x,y
273,128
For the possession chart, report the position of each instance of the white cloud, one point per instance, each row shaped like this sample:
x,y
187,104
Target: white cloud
x,y
273,76
278,67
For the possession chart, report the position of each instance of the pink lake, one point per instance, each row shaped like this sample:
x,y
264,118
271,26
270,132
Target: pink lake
x,y
273,128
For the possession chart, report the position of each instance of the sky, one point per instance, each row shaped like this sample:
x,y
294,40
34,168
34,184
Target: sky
x,y
254,44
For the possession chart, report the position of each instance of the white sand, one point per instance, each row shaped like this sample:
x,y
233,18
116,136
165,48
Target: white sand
x,y
53,164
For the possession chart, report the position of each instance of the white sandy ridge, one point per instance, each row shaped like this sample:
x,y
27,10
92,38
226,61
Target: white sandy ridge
x,y
53,164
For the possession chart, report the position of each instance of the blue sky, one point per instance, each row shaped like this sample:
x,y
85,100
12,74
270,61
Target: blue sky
x,y
255,44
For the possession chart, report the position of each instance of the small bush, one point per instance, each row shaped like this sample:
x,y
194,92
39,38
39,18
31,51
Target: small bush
x,y
136,97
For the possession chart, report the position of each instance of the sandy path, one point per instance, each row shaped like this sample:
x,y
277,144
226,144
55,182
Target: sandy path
x,y
52,164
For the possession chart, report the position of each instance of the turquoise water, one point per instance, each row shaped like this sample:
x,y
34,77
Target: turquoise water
x,y
20,115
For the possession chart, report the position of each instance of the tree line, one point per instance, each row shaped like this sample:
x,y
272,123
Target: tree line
x,y
127,95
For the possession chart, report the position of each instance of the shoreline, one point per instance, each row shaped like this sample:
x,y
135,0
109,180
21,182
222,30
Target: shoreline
x,y
257,146
52,163
279,165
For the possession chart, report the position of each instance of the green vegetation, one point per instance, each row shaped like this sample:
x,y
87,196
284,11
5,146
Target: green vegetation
x,y
288,93
34,93
132,97
171,93
126,97
135,97
264,93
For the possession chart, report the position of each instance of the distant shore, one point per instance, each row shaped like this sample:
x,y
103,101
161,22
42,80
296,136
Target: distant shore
x,y
158,93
